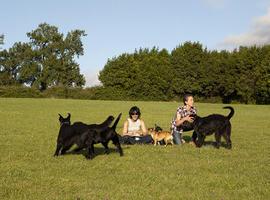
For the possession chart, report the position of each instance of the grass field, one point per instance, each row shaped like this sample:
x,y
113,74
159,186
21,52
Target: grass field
x,y
28,170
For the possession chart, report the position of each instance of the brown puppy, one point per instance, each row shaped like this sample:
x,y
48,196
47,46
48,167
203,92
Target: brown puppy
x,y
161,135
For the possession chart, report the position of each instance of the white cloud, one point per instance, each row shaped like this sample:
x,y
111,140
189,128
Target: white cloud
x,y
91,79
259,34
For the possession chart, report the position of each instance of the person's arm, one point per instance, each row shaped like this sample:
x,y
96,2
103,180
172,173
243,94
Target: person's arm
x,y
125,128
143,127
179,120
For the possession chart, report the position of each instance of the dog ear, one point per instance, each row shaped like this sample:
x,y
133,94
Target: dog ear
x,y
68,117
110,119
60,117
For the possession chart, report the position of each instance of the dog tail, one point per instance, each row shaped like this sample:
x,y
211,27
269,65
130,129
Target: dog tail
x,y
116,121
231,113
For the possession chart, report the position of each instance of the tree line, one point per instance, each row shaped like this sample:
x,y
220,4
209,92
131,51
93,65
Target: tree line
x,y
242,75
47,62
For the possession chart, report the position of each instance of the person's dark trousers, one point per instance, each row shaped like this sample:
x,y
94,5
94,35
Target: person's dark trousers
x,y
126,139
146,139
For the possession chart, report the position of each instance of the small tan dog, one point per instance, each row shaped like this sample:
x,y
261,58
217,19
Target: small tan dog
x,y
161,135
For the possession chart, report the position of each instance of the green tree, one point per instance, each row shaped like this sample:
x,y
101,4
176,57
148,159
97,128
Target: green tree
x,y
144,74
188,64
11,62
224,77
55,56
246,61
262,76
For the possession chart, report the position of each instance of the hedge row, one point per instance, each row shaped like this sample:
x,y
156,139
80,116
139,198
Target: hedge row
x,y
93,93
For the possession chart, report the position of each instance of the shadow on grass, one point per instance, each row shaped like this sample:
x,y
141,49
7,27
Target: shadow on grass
x,y
99,150
206,143
187,138
212,143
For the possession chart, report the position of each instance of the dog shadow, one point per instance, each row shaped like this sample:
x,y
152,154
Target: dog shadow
x,y
99,150
214,144
206,143
187,138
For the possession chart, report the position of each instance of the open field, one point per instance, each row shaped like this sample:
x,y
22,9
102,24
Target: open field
x,y
28,170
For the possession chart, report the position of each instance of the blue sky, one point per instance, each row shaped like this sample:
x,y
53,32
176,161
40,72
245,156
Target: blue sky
x,y
114,27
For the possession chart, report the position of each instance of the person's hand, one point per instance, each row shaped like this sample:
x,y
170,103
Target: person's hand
x,y
189,119
139,133
136,133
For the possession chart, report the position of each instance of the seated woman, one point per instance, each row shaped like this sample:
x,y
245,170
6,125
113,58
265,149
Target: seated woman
x,y
134,131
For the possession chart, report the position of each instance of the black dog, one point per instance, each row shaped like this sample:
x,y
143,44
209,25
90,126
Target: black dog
x,y
188,126
63,120
103,137
76,133
215,123
157,128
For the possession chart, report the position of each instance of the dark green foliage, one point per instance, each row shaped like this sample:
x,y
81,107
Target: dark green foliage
x,y
144,75
47,60
19,92
18,65
242,75
52,92
262,77
188,63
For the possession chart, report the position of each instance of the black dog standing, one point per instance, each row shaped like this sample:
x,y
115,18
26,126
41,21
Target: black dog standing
x,y
85,136
104,138
77,133
215,123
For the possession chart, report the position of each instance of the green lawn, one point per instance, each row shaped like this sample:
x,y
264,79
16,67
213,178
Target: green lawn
x,y
28,170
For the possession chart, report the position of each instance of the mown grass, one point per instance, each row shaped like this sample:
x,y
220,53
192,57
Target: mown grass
x,y
28,132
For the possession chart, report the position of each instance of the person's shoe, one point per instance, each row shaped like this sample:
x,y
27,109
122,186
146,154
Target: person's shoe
x,y
183,141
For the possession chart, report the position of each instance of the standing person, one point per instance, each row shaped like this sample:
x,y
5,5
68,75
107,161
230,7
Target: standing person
x,y
134,131
183,114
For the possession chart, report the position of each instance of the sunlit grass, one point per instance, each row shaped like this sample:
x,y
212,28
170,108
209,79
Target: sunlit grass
x,y
28,132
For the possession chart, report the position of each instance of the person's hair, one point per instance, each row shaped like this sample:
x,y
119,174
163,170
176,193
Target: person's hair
x,y
134,110
186,96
